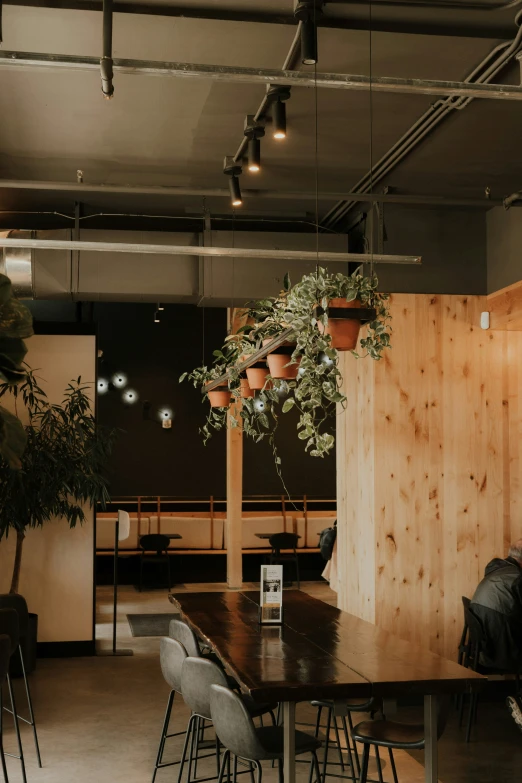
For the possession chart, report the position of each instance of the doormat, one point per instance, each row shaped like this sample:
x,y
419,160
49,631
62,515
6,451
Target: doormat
x,y
151,624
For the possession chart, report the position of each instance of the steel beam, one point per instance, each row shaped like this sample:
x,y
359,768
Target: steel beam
x,y
266,76
323,257
294,195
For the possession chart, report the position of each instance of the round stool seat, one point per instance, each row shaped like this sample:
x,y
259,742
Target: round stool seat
x,y
390,734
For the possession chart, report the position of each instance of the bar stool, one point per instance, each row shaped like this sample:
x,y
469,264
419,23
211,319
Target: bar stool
x,y
394,735
5,656
359,705
197,678
236,732
19,604
10,627
172,656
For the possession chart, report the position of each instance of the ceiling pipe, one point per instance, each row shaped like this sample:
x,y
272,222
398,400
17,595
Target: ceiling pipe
x,y
106,63
236,74
294,195
510,200
214,252
338,217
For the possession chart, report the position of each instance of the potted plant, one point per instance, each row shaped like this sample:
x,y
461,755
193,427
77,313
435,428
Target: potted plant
x,y
16,324
318,295
62,467
269,317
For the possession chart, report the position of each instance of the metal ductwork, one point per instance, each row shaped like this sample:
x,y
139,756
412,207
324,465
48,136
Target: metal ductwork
x,y
43,273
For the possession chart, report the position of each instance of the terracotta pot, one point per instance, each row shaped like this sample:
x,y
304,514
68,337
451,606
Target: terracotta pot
x,y
245,389
343,331
220,397
256,377
276,362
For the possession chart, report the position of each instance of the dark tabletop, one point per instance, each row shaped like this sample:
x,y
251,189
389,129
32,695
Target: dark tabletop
x,y
318,652
268,535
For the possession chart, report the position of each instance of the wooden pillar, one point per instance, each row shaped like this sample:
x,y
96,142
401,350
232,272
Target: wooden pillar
x,y
234,520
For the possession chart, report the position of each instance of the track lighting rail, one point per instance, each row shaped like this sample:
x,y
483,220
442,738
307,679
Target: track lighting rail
x,y
224,73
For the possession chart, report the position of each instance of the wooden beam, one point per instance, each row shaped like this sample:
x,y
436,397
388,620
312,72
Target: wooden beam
x,y
234,520
505,308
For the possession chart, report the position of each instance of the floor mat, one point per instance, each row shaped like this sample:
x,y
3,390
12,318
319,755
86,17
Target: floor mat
x,y
151,624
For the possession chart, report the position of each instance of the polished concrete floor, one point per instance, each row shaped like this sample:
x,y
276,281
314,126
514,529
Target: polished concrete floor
x,y
100,718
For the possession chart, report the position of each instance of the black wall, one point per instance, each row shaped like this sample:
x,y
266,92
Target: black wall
x,y
149,460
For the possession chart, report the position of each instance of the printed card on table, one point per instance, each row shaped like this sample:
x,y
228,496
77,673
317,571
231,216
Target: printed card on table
x,y
271,597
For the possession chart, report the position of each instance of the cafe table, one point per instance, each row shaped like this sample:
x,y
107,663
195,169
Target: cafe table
x,y
320,652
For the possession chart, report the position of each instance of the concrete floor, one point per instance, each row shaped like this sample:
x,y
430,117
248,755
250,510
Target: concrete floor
x,y
100,718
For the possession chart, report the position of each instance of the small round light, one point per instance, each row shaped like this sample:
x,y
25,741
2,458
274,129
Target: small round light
x,y
164,414
259,405
279,135
119,380
130,396
282,389
300,372
102,386
324,359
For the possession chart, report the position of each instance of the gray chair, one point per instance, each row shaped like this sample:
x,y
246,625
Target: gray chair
x,y
5,657
172,656
197,678
238,735
392,734
19,604
9,626
184,634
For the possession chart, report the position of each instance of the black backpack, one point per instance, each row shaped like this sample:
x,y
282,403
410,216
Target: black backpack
x,y
326,541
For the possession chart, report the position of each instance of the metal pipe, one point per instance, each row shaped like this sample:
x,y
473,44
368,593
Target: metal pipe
x,y
484,72
510,200
294,195
226,73
326,257
291,60
106,62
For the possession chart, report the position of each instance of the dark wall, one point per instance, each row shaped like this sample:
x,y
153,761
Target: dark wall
x,y
148,460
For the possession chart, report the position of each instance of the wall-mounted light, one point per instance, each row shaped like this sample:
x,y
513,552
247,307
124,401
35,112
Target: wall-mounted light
x,y
254,131
165,416
233,170
119,380
130,396
102,386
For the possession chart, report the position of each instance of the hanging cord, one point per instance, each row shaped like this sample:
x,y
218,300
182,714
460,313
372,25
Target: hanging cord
x,y
203,308
316,102
370,20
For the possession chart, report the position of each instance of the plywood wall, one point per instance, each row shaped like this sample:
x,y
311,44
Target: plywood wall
x,y
429,481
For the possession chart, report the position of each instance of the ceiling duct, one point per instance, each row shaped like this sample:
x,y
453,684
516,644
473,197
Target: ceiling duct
x,y
17,264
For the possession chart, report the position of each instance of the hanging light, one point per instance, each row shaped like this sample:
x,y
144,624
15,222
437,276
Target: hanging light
x,y
119,380
130,396
254,132
307,12
160,307
233,169
102,386
156,317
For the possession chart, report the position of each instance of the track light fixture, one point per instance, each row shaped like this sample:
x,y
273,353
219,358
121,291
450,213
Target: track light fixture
x,y
254,132
278,95
307,12
233,170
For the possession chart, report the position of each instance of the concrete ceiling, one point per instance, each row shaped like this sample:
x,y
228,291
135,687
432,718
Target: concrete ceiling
x,y
163,131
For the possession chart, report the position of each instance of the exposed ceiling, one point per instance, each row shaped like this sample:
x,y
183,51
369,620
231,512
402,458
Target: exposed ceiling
x,y
161,131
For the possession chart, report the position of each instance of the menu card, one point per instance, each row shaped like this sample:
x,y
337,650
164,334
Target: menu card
x,y
271,598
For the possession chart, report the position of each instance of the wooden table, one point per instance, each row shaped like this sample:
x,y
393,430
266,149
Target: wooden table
x,y
319,652
171,536
267,536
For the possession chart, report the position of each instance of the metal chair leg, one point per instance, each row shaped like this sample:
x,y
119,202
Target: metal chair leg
x,y
141,574
363,777
193,757
327,743
32,720
379,765
17,728
2,756
259,772
164,731
315,762
471,714
280,770
297,573
393,768
188,738
338,741
355,749
222,767
349,749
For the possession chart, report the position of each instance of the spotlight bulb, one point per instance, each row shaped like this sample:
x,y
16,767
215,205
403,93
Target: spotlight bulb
x,y
254,155
164,414
130,396
160,307
235,191
103,386
119,380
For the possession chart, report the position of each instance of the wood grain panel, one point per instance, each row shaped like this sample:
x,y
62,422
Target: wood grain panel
x,y
505,308
432,432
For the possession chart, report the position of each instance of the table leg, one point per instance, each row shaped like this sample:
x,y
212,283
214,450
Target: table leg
x,y
289,736
431,761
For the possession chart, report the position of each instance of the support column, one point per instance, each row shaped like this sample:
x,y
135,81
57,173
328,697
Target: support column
x,y
234,521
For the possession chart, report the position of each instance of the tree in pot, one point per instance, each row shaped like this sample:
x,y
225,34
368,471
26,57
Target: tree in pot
x,y
62,466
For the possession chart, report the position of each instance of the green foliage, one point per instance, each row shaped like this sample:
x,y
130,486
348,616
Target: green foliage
x,y
63,461
16,324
